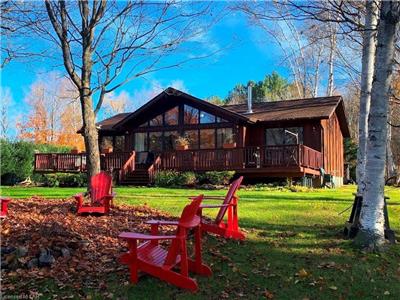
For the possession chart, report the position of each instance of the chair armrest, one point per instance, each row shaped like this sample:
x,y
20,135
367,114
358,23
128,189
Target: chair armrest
x,y
140,236
215,206
209,197
160,222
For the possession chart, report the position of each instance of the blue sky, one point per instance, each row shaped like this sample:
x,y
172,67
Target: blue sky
x,y
246,53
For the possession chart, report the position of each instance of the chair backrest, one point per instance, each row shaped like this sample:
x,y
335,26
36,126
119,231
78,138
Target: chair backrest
x,y
228,198
189,217
100,186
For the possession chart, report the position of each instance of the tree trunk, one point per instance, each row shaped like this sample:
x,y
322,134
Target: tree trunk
x,y
332,50
367,72
90,135
371,233
390,166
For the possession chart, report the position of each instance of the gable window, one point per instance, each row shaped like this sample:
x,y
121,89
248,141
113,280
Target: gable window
x,y
171,117
206,118
284,136
157,121
220,120
190,115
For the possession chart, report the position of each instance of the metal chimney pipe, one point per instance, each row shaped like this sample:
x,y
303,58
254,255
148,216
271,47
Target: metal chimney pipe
x,y
249,97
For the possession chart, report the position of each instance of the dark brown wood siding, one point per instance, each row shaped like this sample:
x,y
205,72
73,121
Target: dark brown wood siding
x,y
333,146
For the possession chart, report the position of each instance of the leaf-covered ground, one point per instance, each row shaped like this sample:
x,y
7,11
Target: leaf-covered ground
x,y
294,248
38,224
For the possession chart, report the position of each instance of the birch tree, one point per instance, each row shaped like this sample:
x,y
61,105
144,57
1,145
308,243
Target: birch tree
x,y
371,233
367,72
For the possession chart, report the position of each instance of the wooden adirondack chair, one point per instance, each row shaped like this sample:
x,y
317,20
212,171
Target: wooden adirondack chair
x,y
100,193
230,228
4,207
151,258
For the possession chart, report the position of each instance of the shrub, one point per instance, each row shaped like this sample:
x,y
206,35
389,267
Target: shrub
x,y
216,177
65,180
187,179
16,159
167,178
170,178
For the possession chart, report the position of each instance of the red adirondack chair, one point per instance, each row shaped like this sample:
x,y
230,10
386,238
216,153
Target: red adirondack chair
x,y
4,207
100,193
151,258
230,228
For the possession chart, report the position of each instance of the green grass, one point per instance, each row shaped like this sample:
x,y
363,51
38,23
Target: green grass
x,y
287,232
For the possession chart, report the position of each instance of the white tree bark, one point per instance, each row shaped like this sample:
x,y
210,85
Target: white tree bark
x,y
332,49
390,165
368,56
371,233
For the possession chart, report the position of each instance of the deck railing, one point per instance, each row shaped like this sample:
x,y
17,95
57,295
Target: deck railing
x,y
242,158
191,160
71,162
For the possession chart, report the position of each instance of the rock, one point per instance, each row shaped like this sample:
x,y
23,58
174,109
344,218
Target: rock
x,y
21,251
66,253
45,258
7,250
9,261
33,263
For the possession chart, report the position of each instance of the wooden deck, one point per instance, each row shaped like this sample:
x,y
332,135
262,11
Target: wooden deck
x,y
279,161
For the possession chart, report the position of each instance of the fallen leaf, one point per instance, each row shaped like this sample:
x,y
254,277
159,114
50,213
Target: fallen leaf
x,y
268,294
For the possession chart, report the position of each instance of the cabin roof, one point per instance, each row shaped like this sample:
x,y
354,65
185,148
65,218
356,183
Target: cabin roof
x,y
108,124
310,108
297,109
274,111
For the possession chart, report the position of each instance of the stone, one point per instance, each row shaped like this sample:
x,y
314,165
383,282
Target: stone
x,y
45,258
33,263
66,253
21,251
7,250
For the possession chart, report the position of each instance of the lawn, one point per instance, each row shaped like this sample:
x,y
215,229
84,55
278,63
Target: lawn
x,y
294,248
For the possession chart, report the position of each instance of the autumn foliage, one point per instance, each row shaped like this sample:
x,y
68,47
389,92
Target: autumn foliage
x,y
54,116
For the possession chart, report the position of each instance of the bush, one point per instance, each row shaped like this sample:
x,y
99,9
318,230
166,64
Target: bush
x,y
65,180
170,178
187,179
216,177
166,178
16,159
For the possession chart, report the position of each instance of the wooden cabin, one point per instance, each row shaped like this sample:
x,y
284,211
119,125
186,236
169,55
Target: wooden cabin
x,y
286,139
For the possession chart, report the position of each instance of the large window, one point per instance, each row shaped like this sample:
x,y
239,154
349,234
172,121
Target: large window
x,y
193,137
141,141
119,143
171,117
284,136
155,141
224,135
207,138
106,143
170,140
190,115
